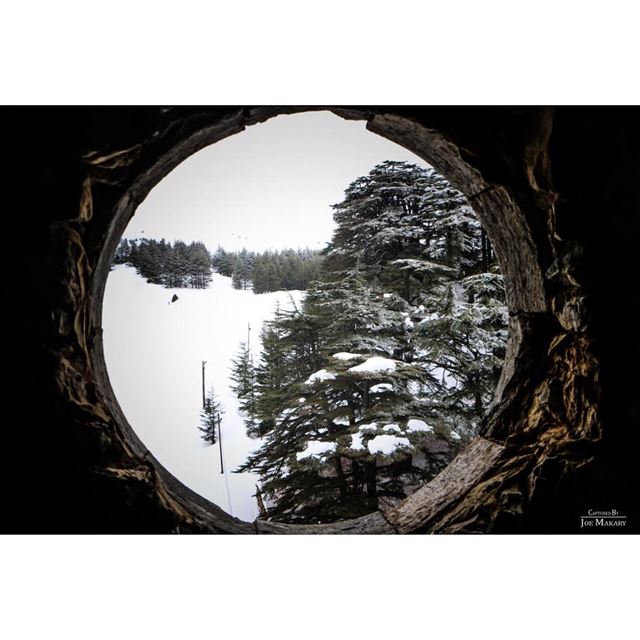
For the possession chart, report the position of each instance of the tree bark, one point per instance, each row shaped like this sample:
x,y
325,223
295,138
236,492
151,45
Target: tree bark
x,y
372,485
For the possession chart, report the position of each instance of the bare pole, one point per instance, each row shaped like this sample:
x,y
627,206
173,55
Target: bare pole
x,y
226,478
250,363
204,397
220,442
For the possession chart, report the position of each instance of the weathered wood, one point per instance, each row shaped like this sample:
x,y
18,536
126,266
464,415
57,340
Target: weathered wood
x,y
446,488
373,523
196,513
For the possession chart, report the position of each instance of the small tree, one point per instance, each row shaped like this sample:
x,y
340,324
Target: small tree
x,y
210,418
243,376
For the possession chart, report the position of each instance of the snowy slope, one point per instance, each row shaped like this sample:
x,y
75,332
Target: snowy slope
x,y
153,352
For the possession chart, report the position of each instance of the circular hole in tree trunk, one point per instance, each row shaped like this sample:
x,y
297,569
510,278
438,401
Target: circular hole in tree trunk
x,y
156,339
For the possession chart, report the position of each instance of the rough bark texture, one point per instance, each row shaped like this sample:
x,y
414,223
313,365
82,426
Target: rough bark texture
x,y
447,488
556,190
372,523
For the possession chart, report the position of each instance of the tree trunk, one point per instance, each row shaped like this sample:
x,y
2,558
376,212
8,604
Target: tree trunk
x,y
372,486
342,483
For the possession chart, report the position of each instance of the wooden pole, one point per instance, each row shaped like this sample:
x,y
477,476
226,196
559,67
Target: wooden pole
x,y
251,381
204,396
220,442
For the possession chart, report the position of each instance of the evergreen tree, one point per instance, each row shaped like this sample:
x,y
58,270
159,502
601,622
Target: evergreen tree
x,y
371,388
223,262
260,277
149,261
198,265
461,344
210,418
121,255
276,370
241,276
244,386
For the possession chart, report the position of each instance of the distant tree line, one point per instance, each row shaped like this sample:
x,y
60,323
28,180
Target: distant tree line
x,y
288,270
189,265
172,265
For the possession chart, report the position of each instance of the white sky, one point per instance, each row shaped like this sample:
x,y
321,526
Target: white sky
x,y
270,186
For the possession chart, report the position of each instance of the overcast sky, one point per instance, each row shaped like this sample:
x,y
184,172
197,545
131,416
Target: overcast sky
x,y
270,186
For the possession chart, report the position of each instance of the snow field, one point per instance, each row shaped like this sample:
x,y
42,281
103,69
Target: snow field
x,y
154,350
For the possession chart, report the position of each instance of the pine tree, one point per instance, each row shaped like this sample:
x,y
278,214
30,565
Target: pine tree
x,y
259,277
276,370
219,261
121,255
244,386
198,265
210,418
149,261
241,276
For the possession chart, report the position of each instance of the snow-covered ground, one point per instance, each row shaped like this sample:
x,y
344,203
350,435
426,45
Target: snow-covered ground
x,y
154,351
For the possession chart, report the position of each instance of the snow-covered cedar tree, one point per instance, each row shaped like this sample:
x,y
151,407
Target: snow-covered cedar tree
x,y
371,387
